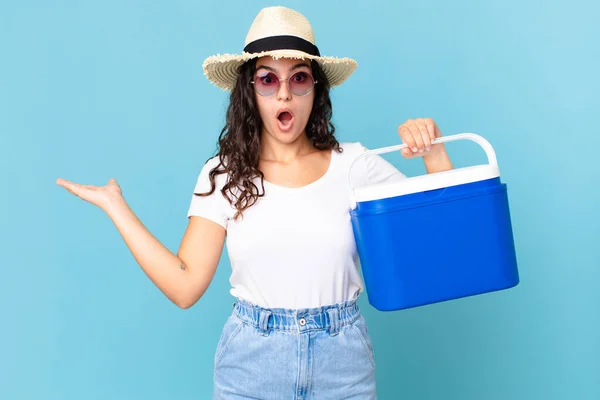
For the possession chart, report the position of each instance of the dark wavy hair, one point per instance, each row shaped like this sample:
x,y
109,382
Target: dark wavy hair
x,y
239,141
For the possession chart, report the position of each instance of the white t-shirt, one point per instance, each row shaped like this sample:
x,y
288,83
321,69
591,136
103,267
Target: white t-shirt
x,y
295,247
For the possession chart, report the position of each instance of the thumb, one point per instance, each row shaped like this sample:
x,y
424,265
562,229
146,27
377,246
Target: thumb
x,y
407,153
113,187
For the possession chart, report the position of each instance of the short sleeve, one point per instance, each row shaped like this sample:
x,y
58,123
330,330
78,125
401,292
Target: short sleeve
x,y
215,206
373,169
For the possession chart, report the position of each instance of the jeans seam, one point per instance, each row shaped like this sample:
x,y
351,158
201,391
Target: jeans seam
x,y
365,345
226,344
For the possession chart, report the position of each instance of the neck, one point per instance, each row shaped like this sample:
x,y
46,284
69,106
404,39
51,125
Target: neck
x,y
274,150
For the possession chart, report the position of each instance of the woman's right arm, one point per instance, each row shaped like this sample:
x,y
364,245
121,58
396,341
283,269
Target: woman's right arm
x,y
183,277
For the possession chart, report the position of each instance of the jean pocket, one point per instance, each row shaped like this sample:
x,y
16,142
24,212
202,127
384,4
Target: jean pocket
x,y
232,327
360,327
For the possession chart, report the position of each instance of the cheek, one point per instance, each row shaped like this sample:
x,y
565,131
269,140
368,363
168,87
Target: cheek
x,y
264,109
306,106
261,111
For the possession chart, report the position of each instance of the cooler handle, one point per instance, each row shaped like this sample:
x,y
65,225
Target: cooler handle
x,y
480,140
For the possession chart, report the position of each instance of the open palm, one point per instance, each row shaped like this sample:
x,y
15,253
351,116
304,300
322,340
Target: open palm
x,y
100,196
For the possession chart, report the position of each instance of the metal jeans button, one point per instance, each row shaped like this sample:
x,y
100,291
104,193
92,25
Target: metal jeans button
x,y
302,321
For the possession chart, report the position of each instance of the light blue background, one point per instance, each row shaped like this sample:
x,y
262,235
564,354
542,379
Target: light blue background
x,y
93,90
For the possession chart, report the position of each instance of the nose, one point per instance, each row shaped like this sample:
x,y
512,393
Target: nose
x,y
284,92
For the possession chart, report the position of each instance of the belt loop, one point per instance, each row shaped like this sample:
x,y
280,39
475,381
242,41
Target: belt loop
x,y
263,322
334,321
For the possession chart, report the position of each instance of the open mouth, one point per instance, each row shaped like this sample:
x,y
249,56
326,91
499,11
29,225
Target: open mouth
x,y
285,119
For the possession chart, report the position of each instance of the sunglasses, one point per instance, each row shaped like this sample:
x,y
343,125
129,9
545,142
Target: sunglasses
x,y
267,84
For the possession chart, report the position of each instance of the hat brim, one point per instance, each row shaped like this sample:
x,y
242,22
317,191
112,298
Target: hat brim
x,y
222,69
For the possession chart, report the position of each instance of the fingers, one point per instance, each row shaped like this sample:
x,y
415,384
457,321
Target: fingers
x,y
431,127
70,186
75,188
418,135
438,133
99,196
407,137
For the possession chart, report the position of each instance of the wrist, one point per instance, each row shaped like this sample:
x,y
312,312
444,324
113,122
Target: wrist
x,y
115,205
437,159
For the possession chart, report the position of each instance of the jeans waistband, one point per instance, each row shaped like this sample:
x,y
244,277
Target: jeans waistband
x,y
331,317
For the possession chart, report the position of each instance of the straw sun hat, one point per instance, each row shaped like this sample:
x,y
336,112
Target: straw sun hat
x,y
279,32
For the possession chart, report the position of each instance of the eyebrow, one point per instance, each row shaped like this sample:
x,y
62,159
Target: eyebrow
x,y
299,65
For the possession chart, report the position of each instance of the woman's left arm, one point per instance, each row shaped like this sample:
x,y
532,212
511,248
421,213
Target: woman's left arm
x,y
418,134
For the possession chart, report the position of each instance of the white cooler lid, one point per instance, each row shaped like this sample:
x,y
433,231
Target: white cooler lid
x,y
421,183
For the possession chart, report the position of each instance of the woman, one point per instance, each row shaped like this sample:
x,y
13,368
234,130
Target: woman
x,y
278,191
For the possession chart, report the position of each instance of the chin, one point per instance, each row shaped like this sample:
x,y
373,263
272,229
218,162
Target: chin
x,y
289,137
285,137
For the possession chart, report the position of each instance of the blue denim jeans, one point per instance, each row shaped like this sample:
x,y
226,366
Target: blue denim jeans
x,y
314,353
